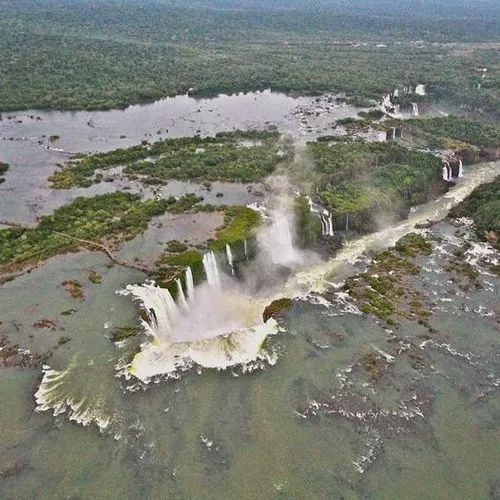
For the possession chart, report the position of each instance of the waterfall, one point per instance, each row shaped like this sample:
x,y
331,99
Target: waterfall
x,y
276,240
189,283
460,169
330,225
396,93
245,247
230,258
324,224
447,172
211,269
414,109
180,294
159,307
420,89
325,217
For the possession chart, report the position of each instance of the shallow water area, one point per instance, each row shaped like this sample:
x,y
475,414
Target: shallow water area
x,y
25,143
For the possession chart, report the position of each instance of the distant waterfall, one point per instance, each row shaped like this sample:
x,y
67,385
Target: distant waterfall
x,y
325,217
414,109
420,89
447,173
326,223
189,283
229,255
245,247
330,225
211,269
180,294
460,169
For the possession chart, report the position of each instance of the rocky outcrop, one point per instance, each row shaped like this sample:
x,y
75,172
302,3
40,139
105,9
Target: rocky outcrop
x,y
276,308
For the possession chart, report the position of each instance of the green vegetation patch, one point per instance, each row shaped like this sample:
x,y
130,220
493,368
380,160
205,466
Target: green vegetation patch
x,y
440,132
94,277
413,244
483,206
123,332
175,246
109,219
74,288
361,182
233,156
239,224
384,289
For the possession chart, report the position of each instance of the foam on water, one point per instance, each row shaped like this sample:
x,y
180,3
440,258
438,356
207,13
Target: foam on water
x,y
57,393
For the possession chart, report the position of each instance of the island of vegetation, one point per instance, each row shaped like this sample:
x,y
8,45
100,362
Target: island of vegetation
x,y
232,156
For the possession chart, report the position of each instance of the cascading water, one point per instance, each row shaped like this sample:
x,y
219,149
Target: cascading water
x,y
420,89
460,169
229,255
414,109
316,278
325,217
245,247
276,241
189,283
180,294
220,328
211,269
447,172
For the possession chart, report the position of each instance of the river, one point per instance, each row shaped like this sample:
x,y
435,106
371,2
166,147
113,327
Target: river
x,y
430,432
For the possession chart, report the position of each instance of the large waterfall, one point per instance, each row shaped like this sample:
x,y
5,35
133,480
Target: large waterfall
x,y
211,269
216,326
276,241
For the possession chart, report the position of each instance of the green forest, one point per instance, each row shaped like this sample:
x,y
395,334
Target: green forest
x,y
233,156
483,206
101,55
448,132
359,182
110,218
